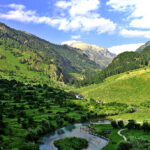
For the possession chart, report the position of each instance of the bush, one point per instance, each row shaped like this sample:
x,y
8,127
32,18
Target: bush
x,y
146,126
124,146
120,124
114,124
131,124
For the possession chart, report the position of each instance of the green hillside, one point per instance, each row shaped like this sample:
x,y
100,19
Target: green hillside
x,y
125,61
55,62
129,61
11,67
130,88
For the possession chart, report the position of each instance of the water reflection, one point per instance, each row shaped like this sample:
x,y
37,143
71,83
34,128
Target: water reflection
x,y
70,128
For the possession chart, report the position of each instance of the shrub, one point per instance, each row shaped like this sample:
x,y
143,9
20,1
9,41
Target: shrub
x,y
121,124
114,124
124,146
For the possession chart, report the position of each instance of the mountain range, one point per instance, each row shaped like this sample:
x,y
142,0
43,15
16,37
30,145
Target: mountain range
x,y
123,62
98,54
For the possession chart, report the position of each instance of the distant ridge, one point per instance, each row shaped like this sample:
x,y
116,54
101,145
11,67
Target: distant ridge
x,y
100,55
141,48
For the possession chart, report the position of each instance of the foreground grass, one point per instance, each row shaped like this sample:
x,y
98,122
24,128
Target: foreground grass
x,y
114,138
137,133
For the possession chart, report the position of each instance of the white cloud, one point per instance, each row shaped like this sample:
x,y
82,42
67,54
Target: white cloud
x,y
142,23
135,33
82,15
91,22
78,7
17,6
77,15
68,42
121,5
138,11
19,13
63,4
82,7
126,47
75,36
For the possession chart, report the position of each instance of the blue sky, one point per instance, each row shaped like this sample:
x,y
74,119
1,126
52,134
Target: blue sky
x,y
119,25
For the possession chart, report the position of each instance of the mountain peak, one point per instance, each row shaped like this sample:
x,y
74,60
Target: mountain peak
x,y
85,46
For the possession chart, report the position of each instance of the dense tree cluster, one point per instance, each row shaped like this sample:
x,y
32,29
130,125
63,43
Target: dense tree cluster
x,y
131,125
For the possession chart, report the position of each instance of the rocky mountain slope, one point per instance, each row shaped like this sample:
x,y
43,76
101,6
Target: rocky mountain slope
x,y
95,53
141,48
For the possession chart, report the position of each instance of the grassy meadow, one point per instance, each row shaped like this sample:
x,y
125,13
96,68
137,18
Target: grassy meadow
x,y
130,88
113,137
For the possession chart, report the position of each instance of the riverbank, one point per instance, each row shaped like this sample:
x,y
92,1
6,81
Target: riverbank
x,y
95,142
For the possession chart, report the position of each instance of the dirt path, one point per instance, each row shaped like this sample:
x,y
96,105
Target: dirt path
x,y
119,133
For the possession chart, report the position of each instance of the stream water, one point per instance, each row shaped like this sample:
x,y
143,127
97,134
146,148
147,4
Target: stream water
x,y
77,130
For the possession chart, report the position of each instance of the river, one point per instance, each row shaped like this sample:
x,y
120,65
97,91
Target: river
x,y
77,130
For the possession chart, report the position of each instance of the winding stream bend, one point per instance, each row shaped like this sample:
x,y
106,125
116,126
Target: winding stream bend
x,y
77,130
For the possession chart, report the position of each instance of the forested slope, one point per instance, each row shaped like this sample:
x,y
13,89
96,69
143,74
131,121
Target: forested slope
x,y
54,61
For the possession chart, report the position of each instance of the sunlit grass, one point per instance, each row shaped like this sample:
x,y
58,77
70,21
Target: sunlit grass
x,y
131,88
